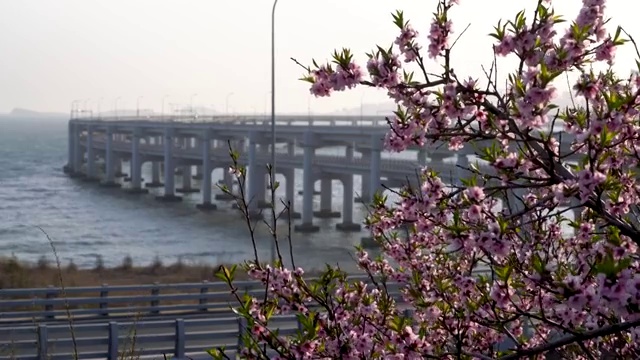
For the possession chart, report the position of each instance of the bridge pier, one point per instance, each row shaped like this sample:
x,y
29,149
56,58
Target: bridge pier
x,y
119,173
91,157
290,183
186,181
263,203
71,136
307,186
155,176
227,181
347,224
110,162
326,194
136,164
169,177
374,170
365,192
198,174
256,179
78,154
206,169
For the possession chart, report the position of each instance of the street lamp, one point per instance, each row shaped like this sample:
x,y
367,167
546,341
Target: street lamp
x,y
84,105
273,97
99,107
116,107
138,105
163,99
192,96
74,104
226,109
273,120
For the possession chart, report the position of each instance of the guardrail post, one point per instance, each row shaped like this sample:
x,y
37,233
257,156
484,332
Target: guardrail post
x,y
51,294
112,354
155,291
242,328
203,290
179,350
408,313
104,293
299,324
42,342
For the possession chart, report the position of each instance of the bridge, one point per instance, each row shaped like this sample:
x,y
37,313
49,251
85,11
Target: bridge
x,y
177,145
185,143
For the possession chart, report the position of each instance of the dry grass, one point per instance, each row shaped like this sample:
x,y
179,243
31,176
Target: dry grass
x,y
17,274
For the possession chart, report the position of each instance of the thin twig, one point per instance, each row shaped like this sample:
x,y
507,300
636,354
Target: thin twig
x,y
64,293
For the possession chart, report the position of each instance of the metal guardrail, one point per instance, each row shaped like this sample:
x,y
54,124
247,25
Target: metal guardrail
x,y
102,337
115,340
37,334
101,302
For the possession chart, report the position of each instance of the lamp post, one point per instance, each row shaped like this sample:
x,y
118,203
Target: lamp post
x,y
84,105
273,94
74,104
226,109
163,99
138,105
99,107
116,107
191,102
273,119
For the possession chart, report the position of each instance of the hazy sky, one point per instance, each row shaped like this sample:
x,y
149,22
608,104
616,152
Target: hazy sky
x,y
55,51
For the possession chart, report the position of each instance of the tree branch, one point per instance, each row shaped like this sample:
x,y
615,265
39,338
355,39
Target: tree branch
x,y
604,331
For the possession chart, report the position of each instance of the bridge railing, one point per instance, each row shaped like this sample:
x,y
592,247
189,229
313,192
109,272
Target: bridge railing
x,y
301,120
178,339
54,303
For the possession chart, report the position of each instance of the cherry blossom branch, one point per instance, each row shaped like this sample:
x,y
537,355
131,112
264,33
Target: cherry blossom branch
x,y
588,335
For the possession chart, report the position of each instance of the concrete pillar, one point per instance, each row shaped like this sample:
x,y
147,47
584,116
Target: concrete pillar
x,y
205,145
91,156
290,183
198,175
375,172
197,145
326,195
186,181
78,154
265,182
110,161
365,190
169,177
136,164
347,202
155,174
255,177
227,181
307,186
117,164
71,139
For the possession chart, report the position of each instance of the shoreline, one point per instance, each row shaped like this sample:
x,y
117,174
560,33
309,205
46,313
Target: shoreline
x,y
17,274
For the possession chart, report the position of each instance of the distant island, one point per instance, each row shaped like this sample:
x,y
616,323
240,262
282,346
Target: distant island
x,y
25,113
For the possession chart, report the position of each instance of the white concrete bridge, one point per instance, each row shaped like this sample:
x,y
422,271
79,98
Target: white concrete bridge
x,y
185,142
